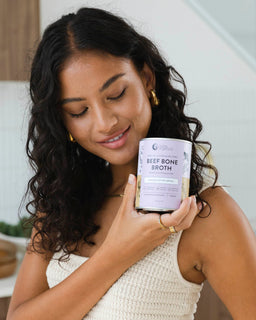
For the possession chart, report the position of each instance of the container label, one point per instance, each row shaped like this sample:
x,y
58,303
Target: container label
x,y
160,180
163,173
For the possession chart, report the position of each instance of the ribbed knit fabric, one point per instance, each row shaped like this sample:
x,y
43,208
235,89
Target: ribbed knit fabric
x,y
151,289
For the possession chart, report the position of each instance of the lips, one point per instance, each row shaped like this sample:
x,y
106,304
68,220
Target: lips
x,y
116,140
114,137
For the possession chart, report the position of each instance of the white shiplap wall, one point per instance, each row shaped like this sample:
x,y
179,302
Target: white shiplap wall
x,y
14,171
229,118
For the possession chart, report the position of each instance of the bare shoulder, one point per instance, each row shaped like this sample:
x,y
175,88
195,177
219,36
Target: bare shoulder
x,y
223,219
212,231
221,227
226,249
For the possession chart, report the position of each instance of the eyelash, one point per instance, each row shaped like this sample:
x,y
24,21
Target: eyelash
x,y
73,115
118,97
77,115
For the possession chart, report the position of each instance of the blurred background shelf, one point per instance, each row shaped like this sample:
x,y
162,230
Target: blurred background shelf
x,y
7,284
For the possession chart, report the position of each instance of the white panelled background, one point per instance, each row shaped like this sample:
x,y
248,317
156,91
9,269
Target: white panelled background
x,y
14,169
221,93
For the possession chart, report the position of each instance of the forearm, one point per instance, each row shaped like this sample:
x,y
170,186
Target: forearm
x,y
75,296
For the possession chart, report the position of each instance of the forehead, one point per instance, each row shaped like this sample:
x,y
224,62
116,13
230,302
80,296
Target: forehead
x,y
94,67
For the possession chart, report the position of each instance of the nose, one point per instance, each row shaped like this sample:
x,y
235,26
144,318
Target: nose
x,y
104,119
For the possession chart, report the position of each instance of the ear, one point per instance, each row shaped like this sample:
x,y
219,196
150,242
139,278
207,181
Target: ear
x,y
148,78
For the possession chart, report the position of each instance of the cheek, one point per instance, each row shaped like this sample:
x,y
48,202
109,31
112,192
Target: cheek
x,y
139,102
80,130
147,117
67,121
143,113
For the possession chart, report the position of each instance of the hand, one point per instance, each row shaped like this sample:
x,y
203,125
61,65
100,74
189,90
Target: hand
x,y
183,217
132,234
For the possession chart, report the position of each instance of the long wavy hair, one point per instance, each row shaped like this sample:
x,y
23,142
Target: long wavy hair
x,y
70,184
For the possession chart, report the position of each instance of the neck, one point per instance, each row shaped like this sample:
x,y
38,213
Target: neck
x,y
120,176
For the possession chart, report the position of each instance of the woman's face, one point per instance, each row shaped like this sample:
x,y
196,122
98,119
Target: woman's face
x,y
105,104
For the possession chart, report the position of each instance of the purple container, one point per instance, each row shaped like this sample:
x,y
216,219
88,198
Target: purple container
x,y
163,174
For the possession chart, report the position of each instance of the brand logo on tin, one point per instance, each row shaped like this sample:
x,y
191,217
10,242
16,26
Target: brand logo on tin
x,y
162,147
155,146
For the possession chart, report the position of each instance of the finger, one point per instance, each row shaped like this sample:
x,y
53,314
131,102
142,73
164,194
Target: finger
x,y
183,217
163,227
129,193
175,218
195,209
186,222
201,206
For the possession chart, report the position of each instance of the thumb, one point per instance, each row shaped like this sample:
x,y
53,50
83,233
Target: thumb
x,y
129,193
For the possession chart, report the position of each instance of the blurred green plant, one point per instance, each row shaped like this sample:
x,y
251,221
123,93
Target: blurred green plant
x,y
22,229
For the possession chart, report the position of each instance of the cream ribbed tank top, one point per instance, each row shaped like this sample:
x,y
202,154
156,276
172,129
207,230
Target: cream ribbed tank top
x,y
151,289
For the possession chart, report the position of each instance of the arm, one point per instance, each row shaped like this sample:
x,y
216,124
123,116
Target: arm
x,y
72,298
228,254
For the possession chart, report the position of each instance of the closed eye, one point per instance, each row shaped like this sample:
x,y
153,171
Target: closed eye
x,y
119,96
77,115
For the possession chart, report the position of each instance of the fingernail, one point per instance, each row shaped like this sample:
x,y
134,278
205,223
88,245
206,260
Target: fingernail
x,y
131,179
199,206
193,198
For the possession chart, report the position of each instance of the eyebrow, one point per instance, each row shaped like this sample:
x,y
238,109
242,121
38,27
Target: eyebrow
x,y
104,87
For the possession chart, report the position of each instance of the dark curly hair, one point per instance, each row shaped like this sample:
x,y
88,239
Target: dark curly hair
x,y
70,183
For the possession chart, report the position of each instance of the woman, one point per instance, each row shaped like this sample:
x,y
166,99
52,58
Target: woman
x,y
98,88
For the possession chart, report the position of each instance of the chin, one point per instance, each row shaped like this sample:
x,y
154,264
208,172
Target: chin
x,y
123,161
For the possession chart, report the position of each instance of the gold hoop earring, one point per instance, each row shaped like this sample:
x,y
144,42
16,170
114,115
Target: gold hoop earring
x,y
154,98
71,137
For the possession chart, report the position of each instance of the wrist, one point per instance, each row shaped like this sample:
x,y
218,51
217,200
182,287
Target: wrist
x,y
111,260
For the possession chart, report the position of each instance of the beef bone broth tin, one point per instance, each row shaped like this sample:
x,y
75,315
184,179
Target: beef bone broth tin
x,y
163,174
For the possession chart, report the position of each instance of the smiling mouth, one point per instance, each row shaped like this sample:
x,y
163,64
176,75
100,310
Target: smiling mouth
x,y
117,137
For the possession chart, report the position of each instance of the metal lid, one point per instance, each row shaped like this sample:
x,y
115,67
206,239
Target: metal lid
x,y
169,139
